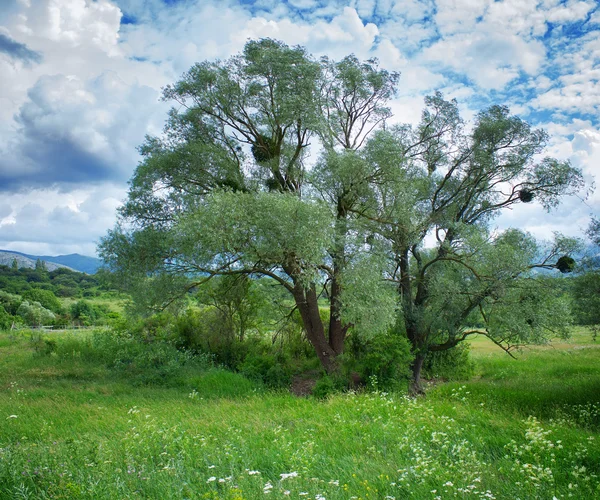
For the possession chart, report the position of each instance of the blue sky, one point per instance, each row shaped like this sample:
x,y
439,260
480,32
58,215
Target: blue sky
x,y
81,82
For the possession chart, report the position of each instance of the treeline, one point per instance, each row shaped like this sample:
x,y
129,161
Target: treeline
x,y
35,297
61,282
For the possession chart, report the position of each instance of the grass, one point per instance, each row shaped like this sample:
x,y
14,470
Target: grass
x,y
76,426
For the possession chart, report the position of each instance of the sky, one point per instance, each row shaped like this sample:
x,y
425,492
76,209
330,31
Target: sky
x,y
80,83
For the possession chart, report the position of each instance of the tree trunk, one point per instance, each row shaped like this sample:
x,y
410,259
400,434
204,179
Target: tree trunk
x,y
337,331
307,303
415,388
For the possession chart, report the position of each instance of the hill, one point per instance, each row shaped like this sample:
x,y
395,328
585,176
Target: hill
x,y
74,261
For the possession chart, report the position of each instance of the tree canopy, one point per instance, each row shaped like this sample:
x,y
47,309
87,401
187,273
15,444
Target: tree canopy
x,y
388,224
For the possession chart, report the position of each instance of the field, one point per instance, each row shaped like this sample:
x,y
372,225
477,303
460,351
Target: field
x,y
74,426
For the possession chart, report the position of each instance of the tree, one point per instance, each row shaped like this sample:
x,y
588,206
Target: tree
x,y
586,286
225,190
40,266
15,265
435,190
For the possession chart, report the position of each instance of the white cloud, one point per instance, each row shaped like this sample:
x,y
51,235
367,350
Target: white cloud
x,y
49,221
73,22
88,103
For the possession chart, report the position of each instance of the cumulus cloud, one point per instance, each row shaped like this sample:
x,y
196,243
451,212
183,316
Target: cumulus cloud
x,y
49,221
73,131
81,79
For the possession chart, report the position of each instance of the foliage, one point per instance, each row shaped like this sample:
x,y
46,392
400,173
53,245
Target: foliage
x,y
10,302
586,286
45,297
273,370
451,364
86,313
384,358
61,282
225,191
324,387
5,319
34,314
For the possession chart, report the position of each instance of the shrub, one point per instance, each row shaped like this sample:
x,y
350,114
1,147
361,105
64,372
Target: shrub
x,y
35,314
452,364
204,332
324,387
5,319
45,297
274,371
385,358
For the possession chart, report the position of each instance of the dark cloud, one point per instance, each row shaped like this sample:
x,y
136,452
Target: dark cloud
x,y
18,50
77,133
57,162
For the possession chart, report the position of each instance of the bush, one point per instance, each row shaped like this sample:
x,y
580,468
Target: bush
x,y
35,314
45,297
452,364
5,319
141,362
204,332
385,358
86,313
324,387
273,371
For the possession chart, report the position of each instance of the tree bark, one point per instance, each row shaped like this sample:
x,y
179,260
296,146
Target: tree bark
x,y
307,303
416,389
337,331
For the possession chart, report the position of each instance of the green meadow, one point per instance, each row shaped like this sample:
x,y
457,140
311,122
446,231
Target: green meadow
x,y
162,425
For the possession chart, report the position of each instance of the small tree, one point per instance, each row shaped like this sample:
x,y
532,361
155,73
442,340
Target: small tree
x,y
40,266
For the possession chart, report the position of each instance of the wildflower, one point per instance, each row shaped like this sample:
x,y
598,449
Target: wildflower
x,y
253,472
287,476
11,416
448,483
211,479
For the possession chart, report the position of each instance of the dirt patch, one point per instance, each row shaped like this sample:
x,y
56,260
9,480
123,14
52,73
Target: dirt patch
x,y
304,383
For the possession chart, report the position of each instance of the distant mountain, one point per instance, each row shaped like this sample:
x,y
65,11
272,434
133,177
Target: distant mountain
x,y
74,261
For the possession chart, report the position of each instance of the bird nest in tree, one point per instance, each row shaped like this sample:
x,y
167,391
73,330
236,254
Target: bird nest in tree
x,y
565,264
264,149
526,196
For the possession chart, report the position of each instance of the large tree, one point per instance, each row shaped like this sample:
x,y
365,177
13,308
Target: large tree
x,y
388,222
225,190
586,286
434,191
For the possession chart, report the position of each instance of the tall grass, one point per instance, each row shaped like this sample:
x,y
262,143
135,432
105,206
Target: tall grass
x,y
76,426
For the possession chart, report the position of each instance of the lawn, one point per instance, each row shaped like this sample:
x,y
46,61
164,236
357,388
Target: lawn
x,y
75,426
